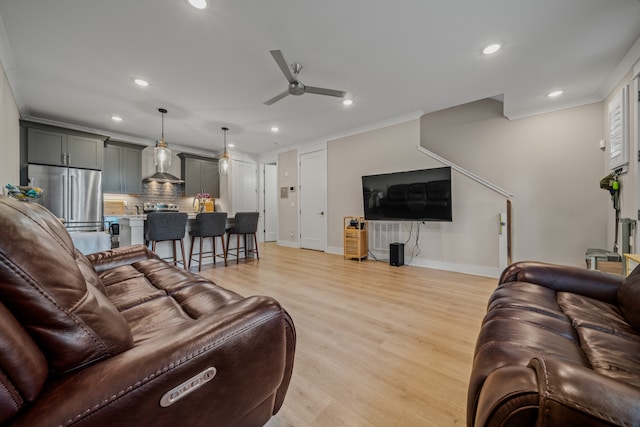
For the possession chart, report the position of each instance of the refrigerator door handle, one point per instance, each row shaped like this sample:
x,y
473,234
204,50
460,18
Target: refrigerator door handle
x,y
72,206
65,205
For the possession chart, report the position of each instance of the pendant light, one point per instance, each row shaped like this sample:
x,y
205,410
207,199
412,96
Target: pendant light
x,y
162,160
223,163
162,154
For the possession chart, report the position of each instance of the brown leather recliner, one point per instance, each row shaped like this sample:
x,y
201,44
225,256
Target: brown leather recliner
x,y
123,338
559,346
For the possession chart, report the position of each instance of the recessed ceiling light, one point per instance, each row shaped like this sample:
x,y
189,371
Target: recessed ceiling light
x,y
116,118
347,102
141,82
231,145
198,4
275,129
555,94
492,48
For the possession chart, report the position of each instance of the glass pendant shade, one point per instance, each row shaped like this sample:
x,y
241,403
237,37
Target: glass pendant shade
x,y
161,153
223,163
162,157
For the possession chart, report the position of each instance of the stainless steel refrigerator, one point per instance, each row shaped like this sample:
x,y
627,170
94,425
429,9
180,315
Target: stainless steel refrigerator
x,y
72,194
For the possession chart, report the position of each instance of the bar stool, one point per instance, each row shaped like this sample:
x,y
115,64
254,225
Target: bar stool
x,y
208,224
166,226
246,223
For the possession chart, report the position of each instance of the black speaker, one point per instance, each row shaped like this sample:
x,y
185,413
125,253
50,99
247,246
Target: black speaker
x,y
396,254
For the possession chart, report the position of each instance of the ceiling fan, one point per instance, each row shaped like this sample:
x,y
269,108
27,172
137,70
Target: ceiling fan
x,y
295,86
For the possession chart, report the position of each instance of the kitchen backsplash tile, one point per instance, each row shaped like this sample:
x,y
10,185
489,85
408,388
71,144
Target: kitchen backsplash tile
x,y
153,192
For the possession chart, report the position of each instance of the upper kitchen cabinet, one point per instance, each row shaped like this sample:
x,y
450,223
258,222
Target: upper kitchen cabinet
x,y
50,145
200,175
122,171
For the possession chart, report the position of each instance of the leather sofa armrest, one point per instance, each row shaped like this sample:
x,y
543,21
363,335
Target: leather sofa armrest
x,y
591,283
116,257
242,349
554,392
573,395
508,397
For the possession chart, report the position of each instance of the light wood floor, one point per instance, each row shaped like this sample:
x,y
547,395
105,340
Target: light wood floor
x,y
377,345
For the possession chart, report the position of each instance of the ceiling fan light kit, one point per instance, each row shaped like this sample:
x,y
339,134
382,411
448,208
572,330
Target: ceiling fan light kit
x,y
295,85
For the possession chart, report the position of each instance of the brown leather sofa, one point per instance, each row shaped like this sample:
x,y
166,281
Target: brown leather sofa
x,y
559,346
123,338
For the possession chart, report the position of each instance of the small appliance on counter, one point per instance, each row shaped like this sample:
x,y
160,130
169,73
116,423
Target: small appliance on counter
x,y
114,231
113,227
160,207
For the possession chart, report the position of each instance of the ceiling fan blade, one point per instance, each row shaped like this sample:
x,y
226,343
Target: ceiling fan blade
x,y
277,98
323,91
282,63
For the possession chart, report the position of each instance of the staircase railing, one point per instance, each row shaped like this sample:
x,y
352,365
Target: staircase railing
x,y
465,172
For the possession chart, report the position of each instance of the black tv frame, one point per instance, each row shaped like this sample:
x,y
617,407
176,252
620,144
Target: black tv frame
x,y
415,195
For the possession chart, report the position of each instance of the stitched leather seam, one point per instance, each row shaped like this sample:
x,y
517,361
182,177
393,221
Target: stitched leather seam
x,y
167,369
588,410
564,401
532,309
521,347
8,263
46,230
12,392
539,326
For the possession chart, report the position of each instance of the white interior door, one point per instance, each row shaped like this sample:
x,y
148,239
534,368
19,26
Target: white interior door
x,y
270,203
313,200
245,186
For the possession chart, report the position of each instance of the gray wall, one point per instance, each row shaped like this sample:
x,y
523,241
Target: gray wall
x,y
629,203
9,134
550,162
468,244
288,208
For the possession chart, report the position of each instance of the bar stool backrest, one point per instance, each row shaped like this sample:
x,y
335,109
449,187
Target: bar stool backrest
x,y
246,223
163,226
210,224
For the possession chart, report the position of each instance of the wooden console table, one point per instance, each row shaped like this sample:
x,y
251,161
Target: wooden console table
x,y
356,245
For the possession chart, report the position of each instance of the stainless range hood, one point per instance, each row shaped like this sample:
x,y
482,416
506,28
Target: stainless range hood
x,y
163,177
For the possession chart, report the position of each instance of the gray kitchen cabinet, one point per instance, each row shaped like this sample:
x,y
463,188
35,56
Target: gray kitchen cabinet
x,y
58,148
200,175
122,168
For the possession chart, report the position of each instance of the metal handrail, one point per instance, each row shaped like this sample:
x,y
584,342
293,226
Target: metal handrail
x,y
466,173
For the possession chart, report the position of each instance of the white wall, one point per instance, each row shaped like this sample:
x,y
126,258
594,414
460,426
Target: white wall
x,y
9,134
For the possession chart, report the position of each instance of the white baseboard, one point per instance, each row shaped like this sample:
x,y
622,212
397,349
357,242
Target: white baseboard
x,y
477,270
336,250
289,244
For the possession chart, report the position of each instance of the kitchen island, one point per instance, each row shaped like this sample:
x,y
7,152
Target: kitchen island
x,y
132,233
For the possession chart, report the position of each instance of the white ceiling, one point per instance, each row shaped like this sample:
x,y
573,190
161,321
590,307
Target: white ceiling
x,y
73,61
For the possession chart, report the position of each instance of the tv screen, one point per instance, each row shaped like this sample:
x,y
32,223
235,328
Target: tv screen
x,y
419,195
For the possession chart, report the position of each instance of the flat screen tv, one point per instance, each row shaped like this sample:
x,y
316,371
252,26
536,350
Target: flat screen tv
x,y
418,195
